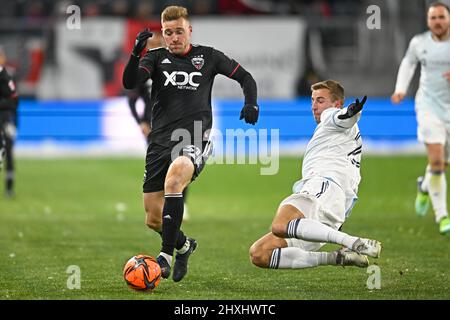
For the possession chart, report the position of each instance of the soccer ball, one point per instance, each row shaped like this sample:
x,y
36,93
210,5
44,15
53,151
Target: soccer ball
x,y
142,272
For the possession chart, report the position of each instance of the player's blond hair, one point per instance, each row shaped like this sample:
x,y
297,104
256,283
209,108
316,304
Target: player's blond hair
x,y
335,88
174,13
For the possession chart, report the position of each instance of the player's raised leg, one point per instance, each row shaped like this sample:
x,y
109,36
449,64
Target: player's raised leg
x,y
291,223
178,177
273,252
154,204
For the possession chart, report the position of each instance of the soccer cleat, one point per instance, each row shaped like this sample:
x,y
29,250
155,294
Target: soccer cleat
x,y
181,261
367,247
444,226
164,265
347,257
422,202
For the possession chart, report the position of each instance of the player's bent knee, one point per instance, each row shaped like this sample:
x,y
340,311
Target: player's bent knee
x,y
279,229
154,225
437,165
258,256
181,165
173,184
179,175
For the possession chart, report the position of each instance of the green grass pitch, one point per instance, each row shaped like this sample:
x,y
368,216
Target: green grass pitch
x,y
88,213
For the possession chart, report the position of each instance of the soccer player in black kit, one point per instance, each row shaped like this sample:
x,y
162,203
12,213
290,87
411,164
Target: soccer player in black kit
x,y
182,76
145,122
8,121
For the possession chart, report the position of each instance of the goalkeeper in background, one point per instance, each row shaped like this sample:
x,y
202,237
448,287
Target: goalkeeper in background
x,y
8,122
324,197
432,105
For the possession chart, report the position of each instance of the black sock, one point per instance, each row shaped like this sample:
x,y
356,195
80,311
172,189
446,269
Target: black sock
x,y
9,180
171,222
9,184
181,239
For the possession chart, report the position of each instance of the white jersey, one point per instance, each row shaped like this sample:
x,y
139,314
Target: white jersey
x,y
334,152
434,89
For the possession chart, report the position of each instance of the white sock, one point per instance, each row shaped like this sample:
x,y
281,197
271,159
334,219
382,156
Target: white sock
x,y
437,188
185,247
312,230
426,179
296,258
167,257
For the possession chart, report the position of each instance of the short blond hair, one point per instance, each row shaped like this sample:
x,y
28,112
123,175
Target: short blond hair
x,y
335,88
174,13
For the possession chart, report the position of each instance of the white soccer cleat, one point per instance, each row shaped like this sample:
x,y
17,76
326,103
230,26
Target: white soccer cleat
x,y
422,202
367,247
347,257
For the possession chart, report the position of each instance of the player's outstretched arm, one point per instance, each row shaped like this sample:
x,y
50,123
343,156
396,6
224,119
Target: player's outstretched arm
x,y
131,73
353,109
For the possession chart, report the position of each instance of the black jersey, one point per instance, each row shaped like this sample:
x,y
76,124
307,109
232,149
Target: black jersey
x,y
182,85
8,94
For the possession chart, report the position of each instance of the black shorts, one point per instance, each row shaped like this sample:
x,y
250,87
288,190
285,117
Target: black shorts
x,y
159,158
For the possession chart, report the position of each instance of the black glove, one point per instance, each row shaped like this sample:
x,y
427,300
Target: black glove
x,y
353,108
250,113
141,42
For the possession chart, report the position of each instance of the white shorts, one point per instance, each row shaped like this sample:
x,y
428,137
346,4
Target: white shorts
x,y
319,199
431,129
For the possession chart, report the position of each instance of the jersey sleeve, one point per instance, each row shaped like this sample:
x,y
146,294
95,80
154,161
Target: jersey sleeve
x,y
147,65
138,71
407,66
329,119
233,70
223,64
411,53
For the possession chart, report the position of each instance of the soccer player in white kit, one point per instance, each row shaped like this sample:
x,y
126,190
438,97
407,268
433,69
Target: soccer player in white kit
x,y
432,104
324,197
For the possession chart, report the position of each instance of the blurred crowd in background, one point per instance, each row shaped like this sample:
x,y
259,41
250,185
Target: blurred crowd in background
x,y
145,9
334,42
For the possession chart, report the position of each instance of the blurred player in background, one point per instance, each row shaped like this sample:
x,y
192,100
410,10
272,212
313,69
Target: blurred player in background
x,y
182,76
432,50
324,197
8,122
2,148
144,121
